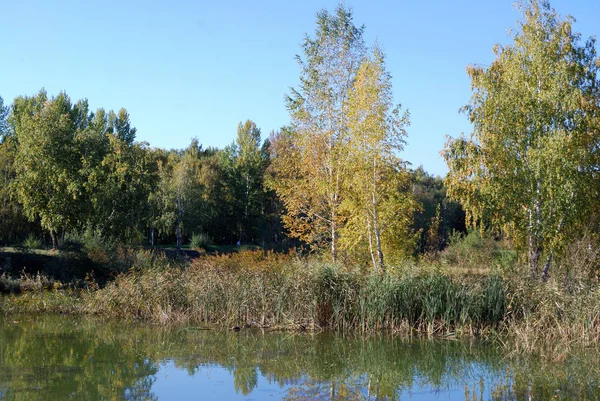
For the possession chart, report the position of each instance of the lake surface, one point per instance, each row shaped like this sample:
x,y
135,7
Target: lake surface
x,y
65,358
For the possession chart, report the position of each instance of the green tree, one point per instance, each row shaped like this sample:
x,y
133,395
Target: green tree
x,y
4,125
438,216
530,165
47,181
179,192
309,177
118,175
12,220
244,164
379,204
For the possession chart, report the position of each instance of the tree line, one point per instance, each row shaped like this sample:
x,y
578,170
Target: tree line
x,y
333,179
66,169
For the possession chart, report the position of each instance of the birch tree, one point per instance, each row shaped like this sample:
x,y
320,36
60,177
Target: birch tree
x,y
310,181
530,167
244,163
379,204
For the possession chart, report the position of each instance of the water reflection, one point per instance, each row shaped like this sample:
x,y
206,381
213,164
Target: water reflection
x,y
78,359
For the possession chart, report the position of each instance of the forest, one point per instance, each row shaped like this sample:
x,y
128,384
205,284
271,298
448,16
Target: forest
x,y
67,170
517,210
333,179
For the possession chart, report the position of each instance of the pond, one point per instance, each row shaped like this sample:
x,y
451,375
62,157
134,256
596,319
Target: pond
x,y
66,358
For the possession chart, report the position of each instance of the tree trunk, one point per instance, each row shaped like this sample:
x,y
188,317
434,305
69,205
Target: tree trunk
x,y
376,229
152,236
333,250
371,250
54,240
546,267
332,390
377,236
535,242
534,257
178,234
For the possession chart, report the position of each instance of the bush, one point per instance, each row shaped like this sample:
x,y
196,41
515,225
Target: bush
x,y
90,250
31,242
475,251
200,241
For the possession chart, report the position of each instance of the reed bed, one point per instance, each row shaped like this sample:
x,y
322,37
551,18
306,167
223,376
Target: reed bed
x,y
289,291
286,291
552,319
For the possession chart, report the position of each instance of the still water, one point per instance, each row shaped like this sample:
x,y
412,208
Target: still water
x,y
62,358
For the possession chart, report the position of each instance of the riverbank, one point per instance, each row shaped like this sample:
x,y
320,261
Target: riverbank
x,y
291,292
274,290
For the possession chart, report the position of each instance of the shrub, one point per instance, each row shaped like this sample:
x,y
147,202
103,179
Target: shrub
x,y
31,242
476,251
200,241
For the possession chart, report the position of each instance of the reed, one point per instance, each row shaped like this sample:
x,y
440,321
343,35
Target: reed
x,y
551,319
271,290
289,291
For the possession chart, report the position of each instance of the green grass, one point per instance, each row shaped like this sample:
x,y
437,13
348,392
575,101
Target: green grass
x,y
253,288
289,291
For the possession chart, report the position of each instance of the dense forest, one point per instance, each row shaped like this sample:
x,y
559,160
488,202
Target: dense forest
x,y
333,180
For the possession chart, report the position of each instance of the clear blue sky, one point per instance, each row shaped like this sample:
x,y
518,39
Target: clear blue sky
x,y
188,69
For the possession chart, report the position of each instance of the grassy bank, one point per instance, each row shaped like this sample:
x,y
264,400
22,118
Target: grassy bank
x,y
272,290
289,291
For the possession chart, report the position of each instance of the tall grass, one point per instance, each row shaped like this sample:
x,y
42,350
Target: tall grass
x,y
253,288
257,289
551,318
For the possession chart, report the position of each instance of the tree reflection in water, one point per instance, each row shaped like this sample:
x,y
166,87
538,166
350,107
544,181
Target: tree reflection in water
x,y
88,359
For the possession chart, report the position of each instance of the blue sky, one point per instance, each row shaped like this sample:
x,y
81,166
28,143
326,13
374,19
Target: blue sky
x,y
187,69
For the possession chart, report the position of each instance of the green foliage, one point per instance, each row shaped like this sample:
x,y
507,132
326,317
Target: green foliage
x,y
4,125
477,252
530,165
438,216
74,168
200,241
244,163
47,163
32,242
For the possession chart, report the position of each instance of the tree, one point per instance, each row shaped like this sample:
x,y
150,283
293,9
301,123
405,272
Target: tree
x,y
179,192
47,181
378,204
244,165
118,175
4,125
438,216
530,167
309,176
12,221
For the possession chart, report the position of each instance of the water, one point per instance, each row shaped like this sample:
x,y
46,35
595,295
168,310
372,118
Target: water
x,y
61,358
